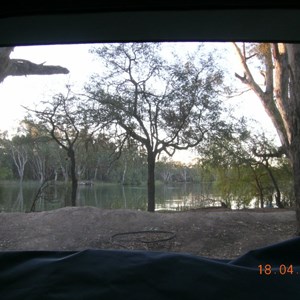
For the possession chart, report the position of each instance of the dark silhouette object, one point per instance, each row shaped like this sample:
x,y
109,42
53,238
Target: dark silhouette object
x,y
22,67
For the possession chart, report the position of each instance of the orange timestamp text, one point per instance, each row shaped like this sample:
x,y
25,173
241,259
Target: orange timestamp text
x,y
283,269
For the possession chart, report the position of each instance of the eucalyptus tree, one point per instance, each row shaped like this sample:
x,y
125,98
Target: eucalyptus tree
x,y
165,169
20,153
164,105
99,157
247,165
279,93
266,154
132,156
61,119
41,150
229,164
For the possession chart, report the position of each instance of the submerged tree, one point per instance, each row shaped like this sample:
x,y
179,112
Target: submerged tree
x,y
164,106
61,119
279,64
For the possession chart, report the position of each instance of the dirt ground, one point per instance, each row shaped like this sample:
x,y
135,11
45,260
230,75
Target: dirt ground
x,y
217,233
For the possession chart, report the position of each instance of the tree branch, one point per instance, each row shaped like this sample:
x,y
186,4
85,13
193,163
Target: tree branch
x,y
279,152
19,67
22,67
242,79
265,97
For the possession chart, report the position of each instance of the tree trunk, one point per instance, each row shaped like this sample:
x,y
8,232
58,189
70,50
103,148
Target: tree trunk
x,y
285,89
276,187
258,187
96,169
71,155
20,158
296,174
151,181
124,173
64,171
294,105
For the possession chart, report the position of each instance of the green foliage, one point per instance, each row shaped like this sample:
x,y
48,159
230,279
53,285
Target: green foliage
x,y
161,104
248,167
5,173
238,184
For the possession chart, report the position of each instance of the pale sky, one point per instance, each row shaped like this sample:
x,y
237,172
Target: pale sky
x,y
21,90
17,91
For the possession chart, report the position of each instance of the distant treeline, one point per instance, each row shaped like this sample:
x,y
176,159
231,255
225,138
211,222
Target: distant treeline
x,y
31,155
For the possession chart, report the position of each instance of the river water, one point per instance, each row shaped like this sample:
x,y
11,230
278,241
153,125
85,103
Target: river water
x,y
19,198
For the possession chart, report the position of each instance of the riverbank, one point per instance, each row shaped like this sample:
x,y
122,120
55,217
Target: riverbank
x,y
218,233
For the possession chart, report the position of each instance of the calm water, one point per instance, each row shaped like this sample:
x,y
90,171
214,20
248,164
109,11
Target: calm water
x,y
14,197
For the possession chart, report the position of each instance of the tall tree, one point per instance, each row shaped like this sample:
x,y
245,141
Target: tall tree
x,y
280,66
61,118
21,67
164,106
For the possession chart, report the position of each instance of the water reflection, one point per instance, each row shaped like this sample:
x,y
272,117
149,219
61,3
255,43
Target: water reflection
x,y
19,203
15,197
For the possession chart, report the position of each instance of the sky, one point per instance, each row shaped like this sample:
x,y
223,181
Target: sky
x,y
16,91
30,90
